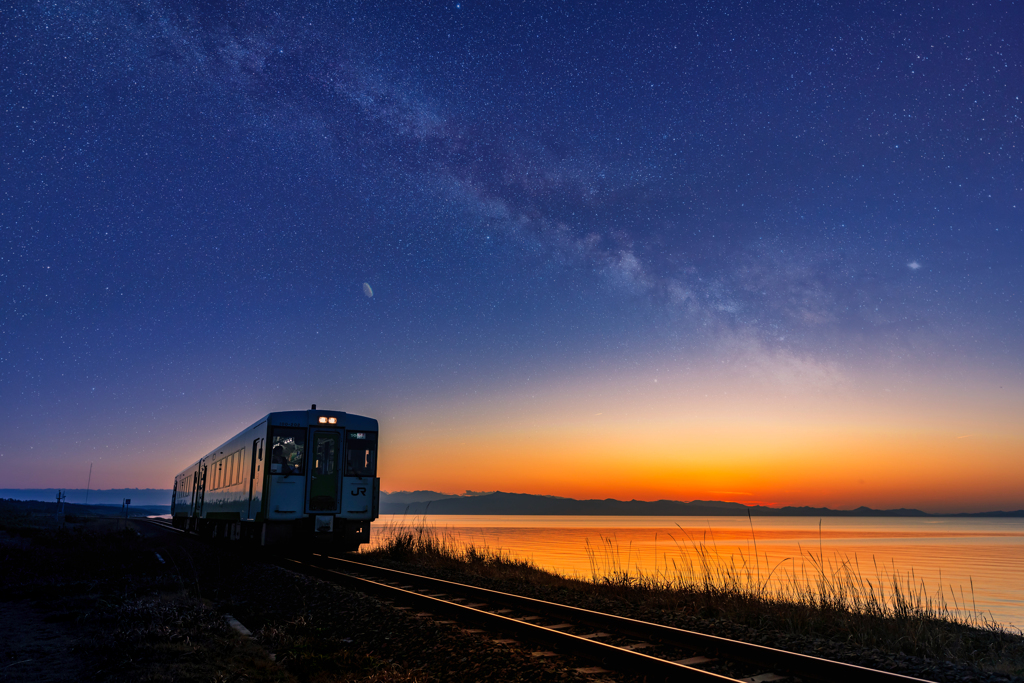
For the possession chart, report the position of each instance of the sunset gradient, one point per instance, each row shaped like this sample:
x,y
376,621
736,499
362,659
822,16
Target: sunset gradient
x,y
682,252
941,447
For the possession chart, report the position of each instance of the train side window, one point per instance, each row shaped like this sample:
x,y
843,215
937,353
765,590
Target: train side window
x,y
287,451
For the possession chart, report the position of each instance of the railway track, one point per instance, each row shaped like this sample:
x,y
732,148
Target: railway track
x,y
611,642
616,643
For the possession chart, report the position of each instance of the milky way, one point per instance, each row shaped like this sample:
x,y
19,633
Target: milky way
x,y
207,207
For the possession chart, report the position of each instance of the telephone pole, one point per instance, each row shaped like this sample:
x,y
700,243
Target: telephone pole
x,y
88,485
60,507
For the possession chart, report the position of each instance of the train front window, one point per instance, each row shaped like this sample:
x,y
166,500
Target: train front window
x,y
287,451
361,454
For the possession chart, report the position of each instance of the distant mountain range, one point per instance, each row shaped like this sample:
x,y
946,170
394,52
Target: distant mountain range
x,y
95,496
500,503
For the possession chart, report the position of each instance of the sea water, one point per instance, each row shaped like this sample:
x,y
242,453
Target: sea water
x,y
974,564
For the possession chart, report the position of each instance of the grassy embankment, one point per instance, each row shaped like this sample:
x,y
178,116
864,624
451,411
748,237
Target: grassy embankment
x,y
827,598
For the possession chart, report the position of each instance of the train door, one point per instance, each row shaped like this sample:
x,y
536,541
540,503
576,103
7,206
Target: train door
x,y
201,491
359,483
324,471
195,489
288,480
255,472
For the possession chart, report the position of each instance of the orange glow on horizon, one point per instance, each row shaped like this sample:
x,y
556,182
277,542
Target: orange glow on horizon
x,y
839,447
818,438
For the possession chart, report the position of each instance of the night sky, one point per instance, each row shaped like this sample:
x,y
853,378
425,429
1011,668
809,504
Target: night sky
x,y
765,252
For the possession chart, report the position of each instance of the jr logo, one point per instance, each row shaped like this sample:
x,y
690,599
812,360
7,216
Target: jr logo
x,y
360,491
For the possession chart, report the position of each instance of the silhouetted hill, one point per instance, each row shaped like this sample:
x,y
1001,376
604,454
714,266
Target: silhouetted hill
x,y
161,497
406,497
500,503
72,510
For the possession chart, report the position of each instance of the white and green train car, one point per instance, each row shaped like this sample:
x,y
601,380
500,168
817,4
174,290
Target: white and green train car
x,y
300,476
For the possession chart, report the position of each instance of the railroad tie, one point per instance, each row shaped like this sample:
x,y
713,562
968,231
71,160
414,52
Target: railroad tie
x,y
237,625
591,670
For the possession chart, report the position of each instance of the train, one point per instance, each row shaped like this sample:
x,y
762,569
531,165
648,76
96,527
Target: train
x,y
304,477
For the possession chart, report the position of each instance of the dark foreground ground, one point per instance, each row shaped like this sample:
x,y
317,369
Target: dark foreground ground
x,y
102,600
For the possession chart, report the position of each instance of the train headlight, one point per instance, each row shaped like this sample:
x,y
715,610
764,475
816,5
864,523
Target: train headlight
x,y
332,420
323,420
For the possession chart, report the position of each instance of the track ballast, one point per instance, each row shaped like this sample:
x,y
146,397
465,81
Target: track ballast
x,y
612,641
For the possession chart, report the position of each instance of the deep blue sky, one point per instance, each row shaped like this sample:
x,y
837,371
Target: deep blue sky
x,y
194,194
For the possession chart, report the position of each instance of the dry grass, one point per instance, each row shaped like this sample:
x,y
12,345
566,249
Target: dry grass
x,y
832,584
423,545
814,596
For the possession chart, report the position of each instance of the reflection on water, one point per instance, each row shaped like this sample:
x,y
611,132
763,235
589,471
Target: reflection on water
x,y
953,553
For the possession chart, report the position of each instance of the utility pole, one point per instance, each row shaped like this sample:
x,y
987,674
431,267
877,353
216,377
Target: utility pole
x,y
60,507
88,485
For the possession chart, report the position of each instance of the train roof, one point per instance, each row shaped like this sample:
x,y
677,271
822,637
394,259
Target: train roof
x,y
297,418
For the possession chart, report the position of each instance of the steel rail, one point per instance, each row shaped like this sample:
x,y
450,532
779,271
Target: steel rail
x,y
616,657
778,661
162,523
